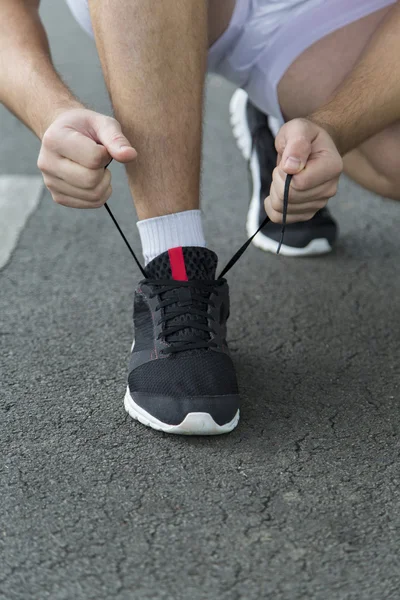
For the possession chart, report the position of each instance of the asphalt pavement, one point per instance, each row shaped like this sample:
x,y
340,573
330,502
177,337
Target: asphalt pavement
x,y
301,502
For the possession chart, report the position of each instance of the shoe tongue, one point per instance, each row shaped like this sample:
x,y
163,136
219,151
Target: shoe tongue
x,y
183,264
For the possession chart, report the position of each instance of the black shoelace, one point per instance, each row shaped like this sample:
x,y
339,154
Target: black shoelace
x,y
184,306
243,248
182,299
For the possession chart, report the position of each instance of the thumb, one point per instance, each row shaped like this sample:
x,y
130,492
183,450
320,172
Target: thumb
x,y
293,144
109,133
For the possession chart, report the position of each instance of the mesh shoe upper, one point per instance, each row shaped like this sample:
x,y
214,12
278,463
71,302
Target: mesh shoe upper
x,y
201,373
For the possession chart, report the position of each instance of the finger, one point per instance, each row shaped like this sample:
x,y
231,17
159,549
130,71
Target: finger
x,y
298,209
321,169
77,147
109,133
79,176
59,186
276,203
277,217
325,190
293,142
71,202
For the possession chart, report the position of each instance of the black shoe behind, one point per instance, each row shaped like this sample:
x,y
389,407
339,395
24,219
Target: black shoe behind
x,y
181,376
257,144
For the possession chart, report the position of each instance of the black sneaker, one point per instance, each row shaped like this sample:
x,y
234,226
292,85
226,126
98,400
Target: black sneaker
x,y
181,376
257,144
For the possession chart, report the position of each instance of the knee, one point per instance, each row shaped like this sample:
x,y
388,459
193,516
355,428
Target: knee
x,y
389,181
383,155
386,164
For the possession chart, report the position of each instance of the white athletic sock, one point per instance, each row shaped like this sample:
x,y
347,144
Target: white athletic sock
x,y
159,234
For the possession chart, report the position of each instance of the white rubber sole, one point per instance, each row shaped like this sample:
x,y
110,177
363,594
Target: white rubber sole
x,y
196,423
242,135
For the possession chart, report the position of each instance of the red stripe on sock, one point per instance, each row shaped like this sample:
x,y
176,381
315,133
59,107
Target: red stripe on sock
x,y
177,263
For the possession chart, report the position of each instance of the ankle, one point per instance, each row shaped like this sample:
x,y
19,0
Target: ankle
x,y
159,234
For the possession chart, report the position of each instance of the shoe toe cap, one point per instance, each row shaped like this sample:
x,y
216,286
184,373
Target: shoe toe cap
x,y
174,410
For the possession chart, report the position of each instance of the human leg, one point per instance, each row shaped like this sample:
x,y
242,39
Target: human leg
x,y
181,377
314,76
153,56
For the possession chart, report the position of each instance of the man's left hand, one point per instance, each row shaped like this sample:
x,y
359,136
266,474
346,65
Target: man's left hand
x,y
307,152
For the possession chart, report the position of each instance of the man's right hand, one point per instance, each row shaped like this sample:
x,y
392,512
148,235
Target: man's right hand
x,y
76,148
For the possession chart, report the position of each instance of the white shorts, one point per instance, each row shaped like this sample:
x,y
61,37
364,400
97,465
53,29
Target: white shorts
x,y
264,38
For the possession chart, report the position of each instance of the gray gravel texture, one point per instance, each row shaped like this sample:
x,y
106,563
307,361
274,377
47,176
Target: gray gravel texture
x,y
300,502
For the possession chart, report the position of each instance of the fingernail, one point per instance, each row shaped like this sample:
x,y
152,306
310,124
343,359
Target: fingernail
x,y
125,147
293,163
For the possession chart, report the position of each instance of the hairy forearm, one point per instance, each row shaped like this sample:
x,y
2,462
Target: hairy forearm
x,y
369,98
29,85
